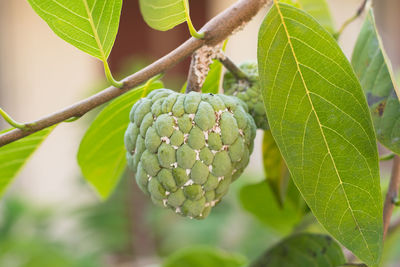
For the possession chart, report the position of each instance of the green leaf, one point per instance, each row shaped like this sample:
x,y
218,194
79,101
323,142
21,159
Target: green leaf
x,y
213,80
214,76
89,25
374,71
320,120
163,15
101,154
319,9
204,257
303,250
260,201
275,168
14,155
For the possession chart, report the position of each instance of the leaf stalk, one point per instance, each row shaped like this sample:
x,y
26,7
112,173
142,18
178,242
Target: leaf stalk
x,y
110,77
192,30
387,157
13,122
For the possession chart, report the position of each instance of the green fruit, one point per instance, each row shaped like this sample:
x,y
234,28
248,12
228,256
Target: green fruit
x,y
249,92
186,149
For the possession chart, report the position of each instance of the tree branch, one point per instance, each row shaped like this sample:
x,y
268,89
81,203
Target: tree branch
x,y
216,30
391,195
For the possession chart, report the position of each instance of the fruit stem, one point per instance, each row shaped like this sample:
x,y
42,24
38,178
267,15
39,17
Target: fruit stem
x,y
235,70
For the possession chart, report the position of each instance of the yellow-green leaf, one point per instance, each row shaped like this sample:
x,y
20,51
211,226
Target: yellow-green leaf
x,y
275,168
259,200
319,9
320,120
374,71
89,25
163,15
102,152
14,155
213,80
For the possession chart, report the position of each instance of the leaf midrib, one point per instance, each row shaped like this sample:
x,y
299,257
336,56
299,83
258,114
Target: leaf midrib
x,y
95,34
319,123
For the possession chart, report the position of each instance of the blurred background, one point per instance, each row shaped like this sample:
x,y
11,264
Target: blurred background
x,y
51,217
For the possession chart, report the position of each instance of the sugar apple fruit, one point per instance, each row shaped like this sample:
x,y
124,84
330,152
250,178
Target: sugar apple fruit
x,y
186,149
249,92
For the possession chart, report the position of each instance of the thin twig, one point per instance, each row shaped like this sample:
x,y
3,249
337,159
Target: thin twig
x,y
216,31
391,195
235,70
360,10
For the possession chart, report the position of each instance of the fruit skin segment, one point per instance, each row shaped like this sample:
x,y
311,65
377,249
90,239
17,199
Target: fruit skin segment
x,y
186,149
249,92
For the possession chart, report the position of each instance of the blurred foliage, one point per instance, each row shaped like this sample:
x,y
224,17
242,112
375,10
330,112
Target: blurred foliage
x,y
276,171
26,239
260,201
204,257
107,223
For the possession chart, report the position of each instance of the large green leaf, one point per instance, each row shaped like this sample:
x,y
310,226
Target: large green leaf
x,y
101,154
89,25
320,120
163,15
14,155
275,168
374,71
260,201
303,250
204,257
319,9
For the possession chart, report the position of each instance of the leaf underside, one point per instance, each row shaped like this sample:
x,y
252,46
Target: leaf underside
x,y
163,15
101,154
14,155
374,71
320,120
303,250
90,25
